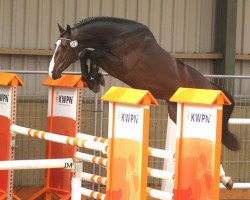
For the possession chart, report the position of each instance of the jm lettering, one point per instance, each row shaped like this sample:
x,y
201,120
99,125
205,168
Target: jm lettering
x,y
68,165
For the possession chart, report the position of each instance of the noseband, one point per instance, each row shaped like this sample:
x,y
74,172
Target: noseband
x,y
73,45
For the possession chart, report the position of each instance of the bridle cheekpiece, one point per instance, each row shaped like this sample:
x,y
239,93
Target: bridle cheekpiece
x,y
73,44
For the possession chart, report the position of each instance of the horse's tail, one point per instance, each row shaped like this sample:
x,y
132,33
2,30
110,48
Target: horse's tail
x,y
228,138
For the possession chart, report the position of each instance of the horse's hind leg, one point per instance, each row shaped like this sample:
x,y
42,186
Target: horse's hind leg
x,y
225,180
83,56
228,138
172,111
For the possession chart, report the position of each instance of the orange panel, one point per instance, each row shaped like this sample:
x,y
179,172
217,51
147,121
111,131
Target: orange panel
x,y
5,150
195,176
61,178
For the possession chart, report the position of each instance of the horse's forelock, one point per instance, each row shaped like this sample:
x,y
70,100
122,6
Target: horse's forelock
x,y
63,33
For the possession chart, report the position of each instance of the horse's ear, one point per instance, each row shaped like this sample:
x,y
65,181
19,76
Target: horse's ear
x,y
68,29
61,30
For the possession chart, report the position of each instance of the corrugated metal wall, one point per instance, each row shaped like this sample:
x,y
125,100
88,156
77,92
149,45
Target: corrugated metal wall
x,y
243,41
178,25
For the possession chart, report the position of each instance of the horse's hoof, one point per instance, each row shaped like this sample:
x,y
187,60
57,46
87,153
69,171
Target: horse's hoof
x,y
91,85
102,81
228,182
99,79
96,88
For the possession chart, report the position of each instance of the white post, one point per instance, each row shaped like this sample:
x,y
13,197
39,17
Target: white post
x,y
170,146
76,189
76,182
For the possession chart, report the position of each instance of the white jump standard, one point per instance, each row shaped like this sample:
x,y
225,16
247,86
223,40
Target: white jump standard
x,y
198,142
8,106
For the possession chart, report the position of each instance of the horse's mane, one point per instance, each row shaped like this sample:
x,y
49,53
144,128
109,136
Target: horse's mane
x,y
92,20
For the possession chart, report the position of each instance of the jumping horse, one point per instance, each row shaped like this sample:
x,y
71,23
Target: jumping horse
x,y
128,51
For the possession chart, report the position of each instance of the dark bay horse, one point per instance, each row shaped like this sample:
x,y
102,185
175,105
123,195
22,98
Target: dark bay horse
x,y
128,51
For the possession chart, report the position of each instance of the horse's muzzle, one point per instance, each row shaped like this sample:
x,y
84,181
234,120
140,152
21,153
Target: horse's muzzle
x,y
56,74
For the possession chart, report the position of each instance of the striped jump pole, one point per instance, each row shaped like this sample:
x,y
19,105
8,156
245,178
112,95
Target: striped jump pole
x,y
94,178
91,137
92,159
167,176
8,102
198,143
52,137
158,194
159,153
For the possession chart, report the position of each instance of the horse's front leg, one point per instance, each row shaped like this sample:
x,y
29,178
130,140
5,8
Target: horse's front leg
x,y
95,74
94,67
91,83
109,62
225,180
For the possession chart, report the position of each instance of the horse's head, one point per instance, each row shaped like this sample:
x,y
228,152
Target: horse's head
x,y
66,53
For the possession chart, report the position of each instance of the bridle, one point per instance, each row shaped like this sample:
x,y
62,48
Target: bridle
x,y
73,44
